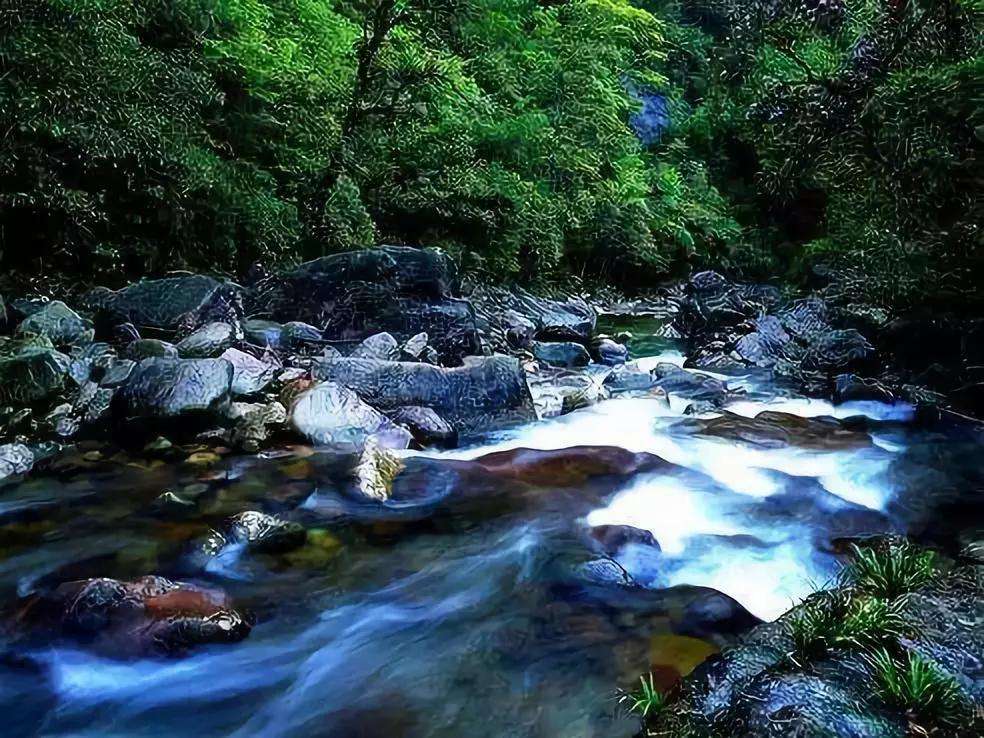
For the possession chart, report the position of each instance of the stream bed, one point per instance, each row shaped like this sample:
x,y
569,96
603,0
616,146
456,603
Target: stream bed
x,y
497,616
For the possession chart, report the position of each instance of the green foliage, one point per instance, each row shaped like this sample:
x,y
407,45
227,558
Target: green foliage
x,y
840,619
891,570
918,686
144,135
646,701
845,133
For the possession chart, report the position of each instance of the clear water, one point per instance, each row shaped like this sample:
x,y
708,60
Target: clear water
x,y
486,618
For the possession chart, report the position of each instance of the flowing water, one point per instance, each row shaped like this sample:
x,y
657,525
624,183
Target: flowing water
x,y
497,617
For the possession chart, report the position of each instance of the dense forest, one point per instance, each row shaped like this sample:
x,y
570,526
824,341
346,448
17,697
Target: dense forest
x,y
607,138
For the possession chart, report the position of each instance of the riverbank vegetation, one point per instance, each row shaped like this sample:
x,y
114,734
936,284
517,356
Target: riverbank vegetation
x,y
623,141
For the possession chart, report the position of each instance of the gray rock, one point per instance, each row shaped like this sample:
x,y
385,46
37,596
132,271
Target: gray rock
x,y
332,415
380,346
58,322
250,375
155,303
485,393
629,378
692,385
297,335
266,333
146,348
426,426
263,533
118,373
564,354
15,458
608,352
415,346
32,375
208,341
166,387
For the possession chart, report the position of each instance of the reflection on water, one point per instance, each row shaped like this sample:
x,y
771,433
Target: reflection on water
x,y
494,618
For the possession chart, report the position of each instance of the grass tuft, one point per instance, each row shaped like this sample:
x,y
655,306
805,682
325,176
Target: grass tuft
x,y
840,620
645,701
919,687
891,571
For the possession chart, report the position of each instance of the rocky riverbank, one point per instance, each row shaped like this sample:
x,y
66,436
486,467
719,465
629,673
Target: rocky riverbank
x,y
384,343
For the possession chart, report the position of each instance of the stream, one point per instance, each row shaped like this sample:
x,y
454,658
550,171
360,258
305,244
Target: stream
x,y
498,617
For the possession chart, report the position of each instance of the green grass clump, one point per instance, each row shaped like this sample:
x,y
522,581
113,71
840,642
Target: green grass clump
x,y
919,687
891,571
646,701
840,620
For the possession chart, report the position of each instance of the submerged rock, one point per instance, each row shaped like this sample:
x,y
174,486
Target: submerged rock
x,y
148,616
770,429
258,532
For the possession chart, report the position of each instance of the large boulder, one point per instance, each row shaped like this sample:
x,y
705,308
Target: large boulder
x,y
31,375
167,387
58,323
426,426
426,272
332,415
155,303
485,393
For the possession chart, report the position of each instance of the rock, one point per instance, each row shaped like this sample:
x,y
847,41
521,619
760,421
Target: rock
x,y
253,425
59,323
223,305
166,387
851,388
629,378
15,458
427,272
568,467
692,385
148,348
296,335
264,333
249,374
426,426
566,354
259,533
376,470
155,303
837,349
333,415
559,394
612,538
485,393
208,341
414,346
32,375
770,429
148,616
609,353
380,346
118,373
